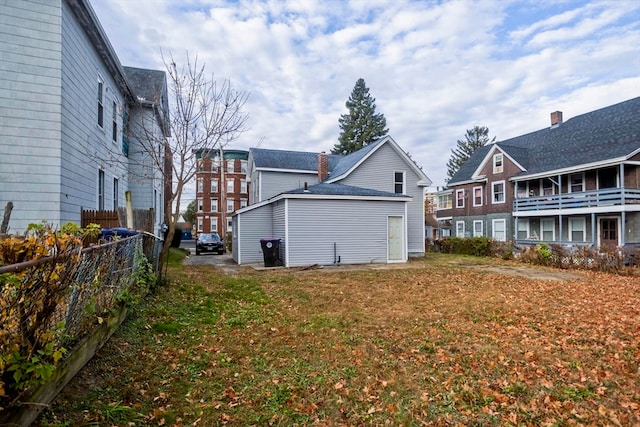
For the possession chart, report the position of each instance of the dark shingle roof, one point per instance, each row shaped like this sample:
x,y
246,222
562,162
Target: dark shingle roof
x,y
148,85
347,162
608,133
293,160
343,190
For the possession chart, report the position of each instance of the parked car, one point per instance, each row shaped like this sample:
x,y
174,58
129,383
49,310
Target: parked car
x,y
209,242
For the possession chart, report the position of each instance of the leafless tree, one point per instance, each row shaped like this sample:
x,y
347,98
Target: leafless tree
x,y
205,115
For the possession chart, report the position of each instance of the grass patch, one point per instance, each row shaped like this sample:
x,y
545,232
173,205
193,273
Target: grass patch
x,y
439,341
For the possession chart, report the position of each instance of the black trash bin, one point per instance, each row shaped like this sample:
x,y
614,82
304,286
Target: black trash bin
x,y
271,252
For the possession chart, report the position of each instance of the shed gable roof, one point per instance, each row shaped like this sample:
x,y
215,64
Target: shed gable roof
x,y
606,134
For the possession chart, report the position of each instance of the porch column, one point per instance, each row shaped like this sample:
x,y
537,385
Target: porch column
x,y
623,227
593,229
560,208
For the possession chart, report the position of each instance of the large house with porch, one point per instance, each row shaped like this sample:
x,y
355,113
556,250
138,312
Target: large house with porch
x,y
576,182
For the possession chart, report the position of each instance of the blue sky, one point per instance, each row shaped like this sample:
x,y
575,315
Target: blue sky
x,y
436,68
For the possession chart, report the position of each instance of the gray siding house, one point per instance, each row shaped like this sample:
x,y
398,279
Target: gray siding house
x,y
365,207
64,103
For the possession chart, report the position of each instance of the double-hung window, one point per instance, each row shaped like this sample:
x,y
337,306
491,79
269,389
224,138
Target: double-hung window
x,y
547,229
115,194
499,230
230,187
459,198
230,205
498,163
200,187
100,102
398,182
497,190
547,187
214,185
477,228
214,205
230,166
114,122
200,204
576,182
243,186
477,196
577,229
523,229
459,228
100,190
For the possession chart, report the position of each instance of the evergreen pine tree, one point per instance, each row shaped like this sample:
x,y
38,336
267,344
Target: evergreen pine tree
x,y
361,125
474,138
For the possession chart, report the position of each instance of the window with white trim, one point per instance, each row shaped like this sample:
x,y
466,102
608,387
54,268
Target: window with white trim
x,y
477,196
498,163
114,122
214,225
230,205
523,190
229,224
230,187
576,182
398,182
116,191
243,166
547,187
215,164
548,229
459,228
230,166
577,229
214,185
499,230
214,205
100,190
444,201
477,228
243,203
243,186
523,229
200,205
199,221
459,198
100,102
200,186
497,191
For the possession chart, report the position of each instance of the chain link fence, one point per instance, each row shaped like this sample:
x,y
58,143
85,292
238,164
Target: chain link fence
x,y
63,298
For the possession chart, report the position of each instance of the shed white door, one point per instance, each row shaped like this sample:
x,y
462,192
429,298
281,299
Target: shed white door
x,y
395,238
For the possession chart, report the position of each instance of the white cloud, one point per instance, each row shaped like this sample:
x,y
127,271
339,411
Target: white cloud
x,y
436,69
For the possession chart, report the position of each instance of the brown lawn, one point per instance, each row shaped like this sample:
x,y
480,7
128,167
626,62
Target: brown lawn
x,y
440,341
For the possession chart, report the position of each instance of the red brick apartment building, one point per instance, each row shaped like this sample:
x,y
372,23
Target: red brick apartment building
x,y
221,188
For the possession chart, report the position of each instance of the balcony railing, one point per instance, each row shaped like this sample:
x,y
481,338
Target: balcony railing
x,y
584,199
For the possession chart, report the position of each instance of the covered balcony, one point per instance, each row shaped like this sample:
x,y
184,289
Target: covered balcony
x,y
583,199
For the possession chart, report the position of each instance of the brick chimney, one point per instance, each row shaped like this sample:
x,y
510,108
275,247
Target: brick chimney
x,y
323,166
556,119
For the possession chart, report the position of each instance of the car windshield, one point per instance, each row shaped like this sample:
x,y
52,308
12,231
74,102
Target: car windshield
x,y
209,237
